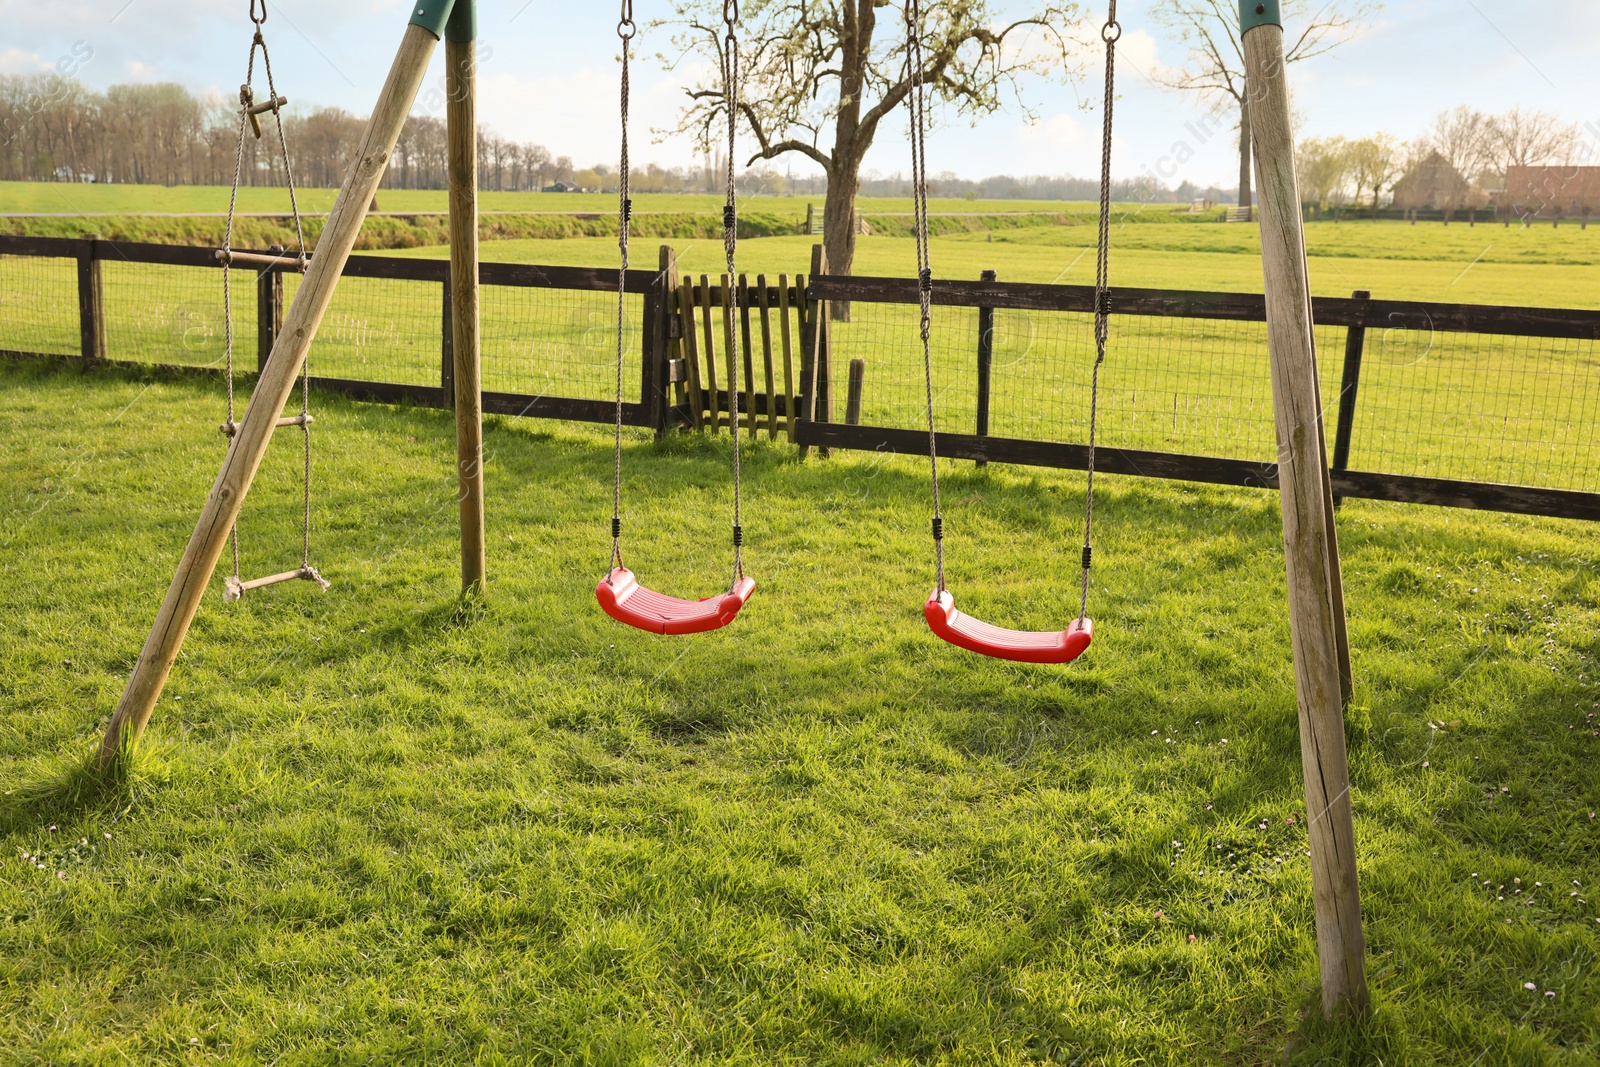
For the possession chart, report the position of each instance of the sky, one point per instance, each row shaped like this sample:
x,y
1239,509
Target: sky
x,y
549,74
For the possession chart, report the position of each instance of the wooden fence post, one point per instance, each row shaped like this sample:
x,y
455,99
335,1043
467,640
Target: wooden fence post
x,y
1355,342
447,346
1309,538
985,363
662,341
248,447
91,303
813,350
269,310
852,405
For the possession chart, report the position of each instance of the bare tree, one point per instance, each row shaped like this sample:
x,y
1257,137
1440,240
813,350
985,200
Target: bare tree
x,y
1529,138
1464,137
821,76
1215,66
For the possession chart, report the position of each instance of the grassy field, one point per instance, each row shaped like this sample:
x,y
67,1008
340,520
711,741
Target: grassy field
x,y
1455,264
54,197
371,825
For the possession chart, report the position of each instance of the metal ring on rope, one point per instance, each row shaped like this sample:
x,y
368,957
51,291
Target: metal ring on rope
x,y
258,21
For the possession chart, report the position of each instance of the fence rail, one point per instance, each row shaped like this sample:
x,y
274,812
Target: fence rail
x,y
1495,408
1460,405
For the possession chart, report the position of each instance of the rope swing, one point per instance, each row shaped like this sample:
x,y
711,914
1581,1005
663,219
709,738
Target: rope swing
x,y
940,610
250,113
619,593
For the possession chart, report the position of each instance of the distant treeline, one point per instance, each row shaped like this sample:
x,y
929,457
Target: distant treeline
x,y
53,128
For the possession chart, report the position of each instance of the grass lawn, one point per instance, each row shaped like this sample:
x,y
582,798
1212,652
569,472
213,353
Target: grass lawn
x,y
1483,265
53,197
371,825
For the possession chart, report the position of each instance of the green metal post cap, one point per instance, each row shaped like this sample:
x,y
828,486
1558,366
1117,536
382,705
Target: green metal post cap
x,y
432,15
1253,13
463,24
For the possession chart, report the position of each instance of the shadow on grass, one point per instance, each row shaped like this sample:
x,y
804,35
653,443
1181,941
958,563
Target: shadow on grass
x,y
1320,1041
74,789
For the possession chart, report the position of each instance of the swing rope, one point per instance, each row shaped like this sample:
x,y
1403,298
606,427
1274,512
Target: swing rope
x,y
917,99
625,30
730,245
1109,33
919,192
248,110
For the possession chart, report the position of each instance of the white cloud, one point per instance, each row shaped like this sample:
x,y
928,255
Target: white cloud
x,y
16,61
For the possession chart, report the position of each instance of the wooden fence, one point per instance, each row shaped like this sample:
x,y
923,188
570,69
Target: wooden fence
x,y
692,330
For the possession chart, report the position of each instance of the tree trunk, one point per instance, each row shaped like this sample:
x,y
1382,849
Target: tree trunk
x,y
1244,154
839,229
850,143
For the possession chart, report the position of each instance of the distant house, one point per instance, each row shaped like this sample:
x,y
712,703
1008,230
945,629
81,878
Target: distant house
x,y
1553,191
1432,185
560,187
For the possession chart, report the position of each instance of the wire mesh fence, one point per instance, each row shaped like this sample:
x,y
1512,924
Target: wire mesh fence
x,y
39,298
1484,407
378,330
1482,401
559,342
1497,408
161,314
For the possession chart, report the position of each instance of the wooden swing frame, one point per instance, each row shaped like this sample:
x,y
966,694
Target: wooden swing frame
x,y
454,22
1316,603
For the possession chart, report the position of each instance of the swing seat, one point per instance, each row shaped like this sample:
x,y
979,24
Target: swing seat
x,y
625,600
1023,646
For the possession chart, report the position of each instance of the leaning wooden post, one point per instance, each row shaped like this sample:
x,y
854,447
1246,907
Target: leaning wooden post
x,y
249,445
461,113
1308,533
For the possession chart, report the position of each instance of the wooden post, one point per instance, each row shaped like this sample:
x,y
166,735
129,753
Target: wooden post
x,y
985,363
659,322
813,350
249,445
710,380
852,404
447,346
91,303
269,310
764,302
790,401
461,113
691,350
748,396
1309,537
1355,343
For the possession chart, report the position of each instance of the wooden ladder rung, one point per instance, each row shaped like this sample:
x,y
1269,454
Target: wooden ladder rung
x,y
230,428
254,259
234,588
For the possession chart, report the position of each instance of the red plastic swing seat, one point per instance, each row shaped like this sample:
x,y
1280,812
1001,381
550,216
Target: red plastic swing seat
x,y
625,600
1024,646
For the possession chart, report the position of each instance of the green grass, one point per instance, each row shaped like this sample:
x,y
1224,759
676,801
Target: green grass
x,y
1487,265
53,197
371,825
